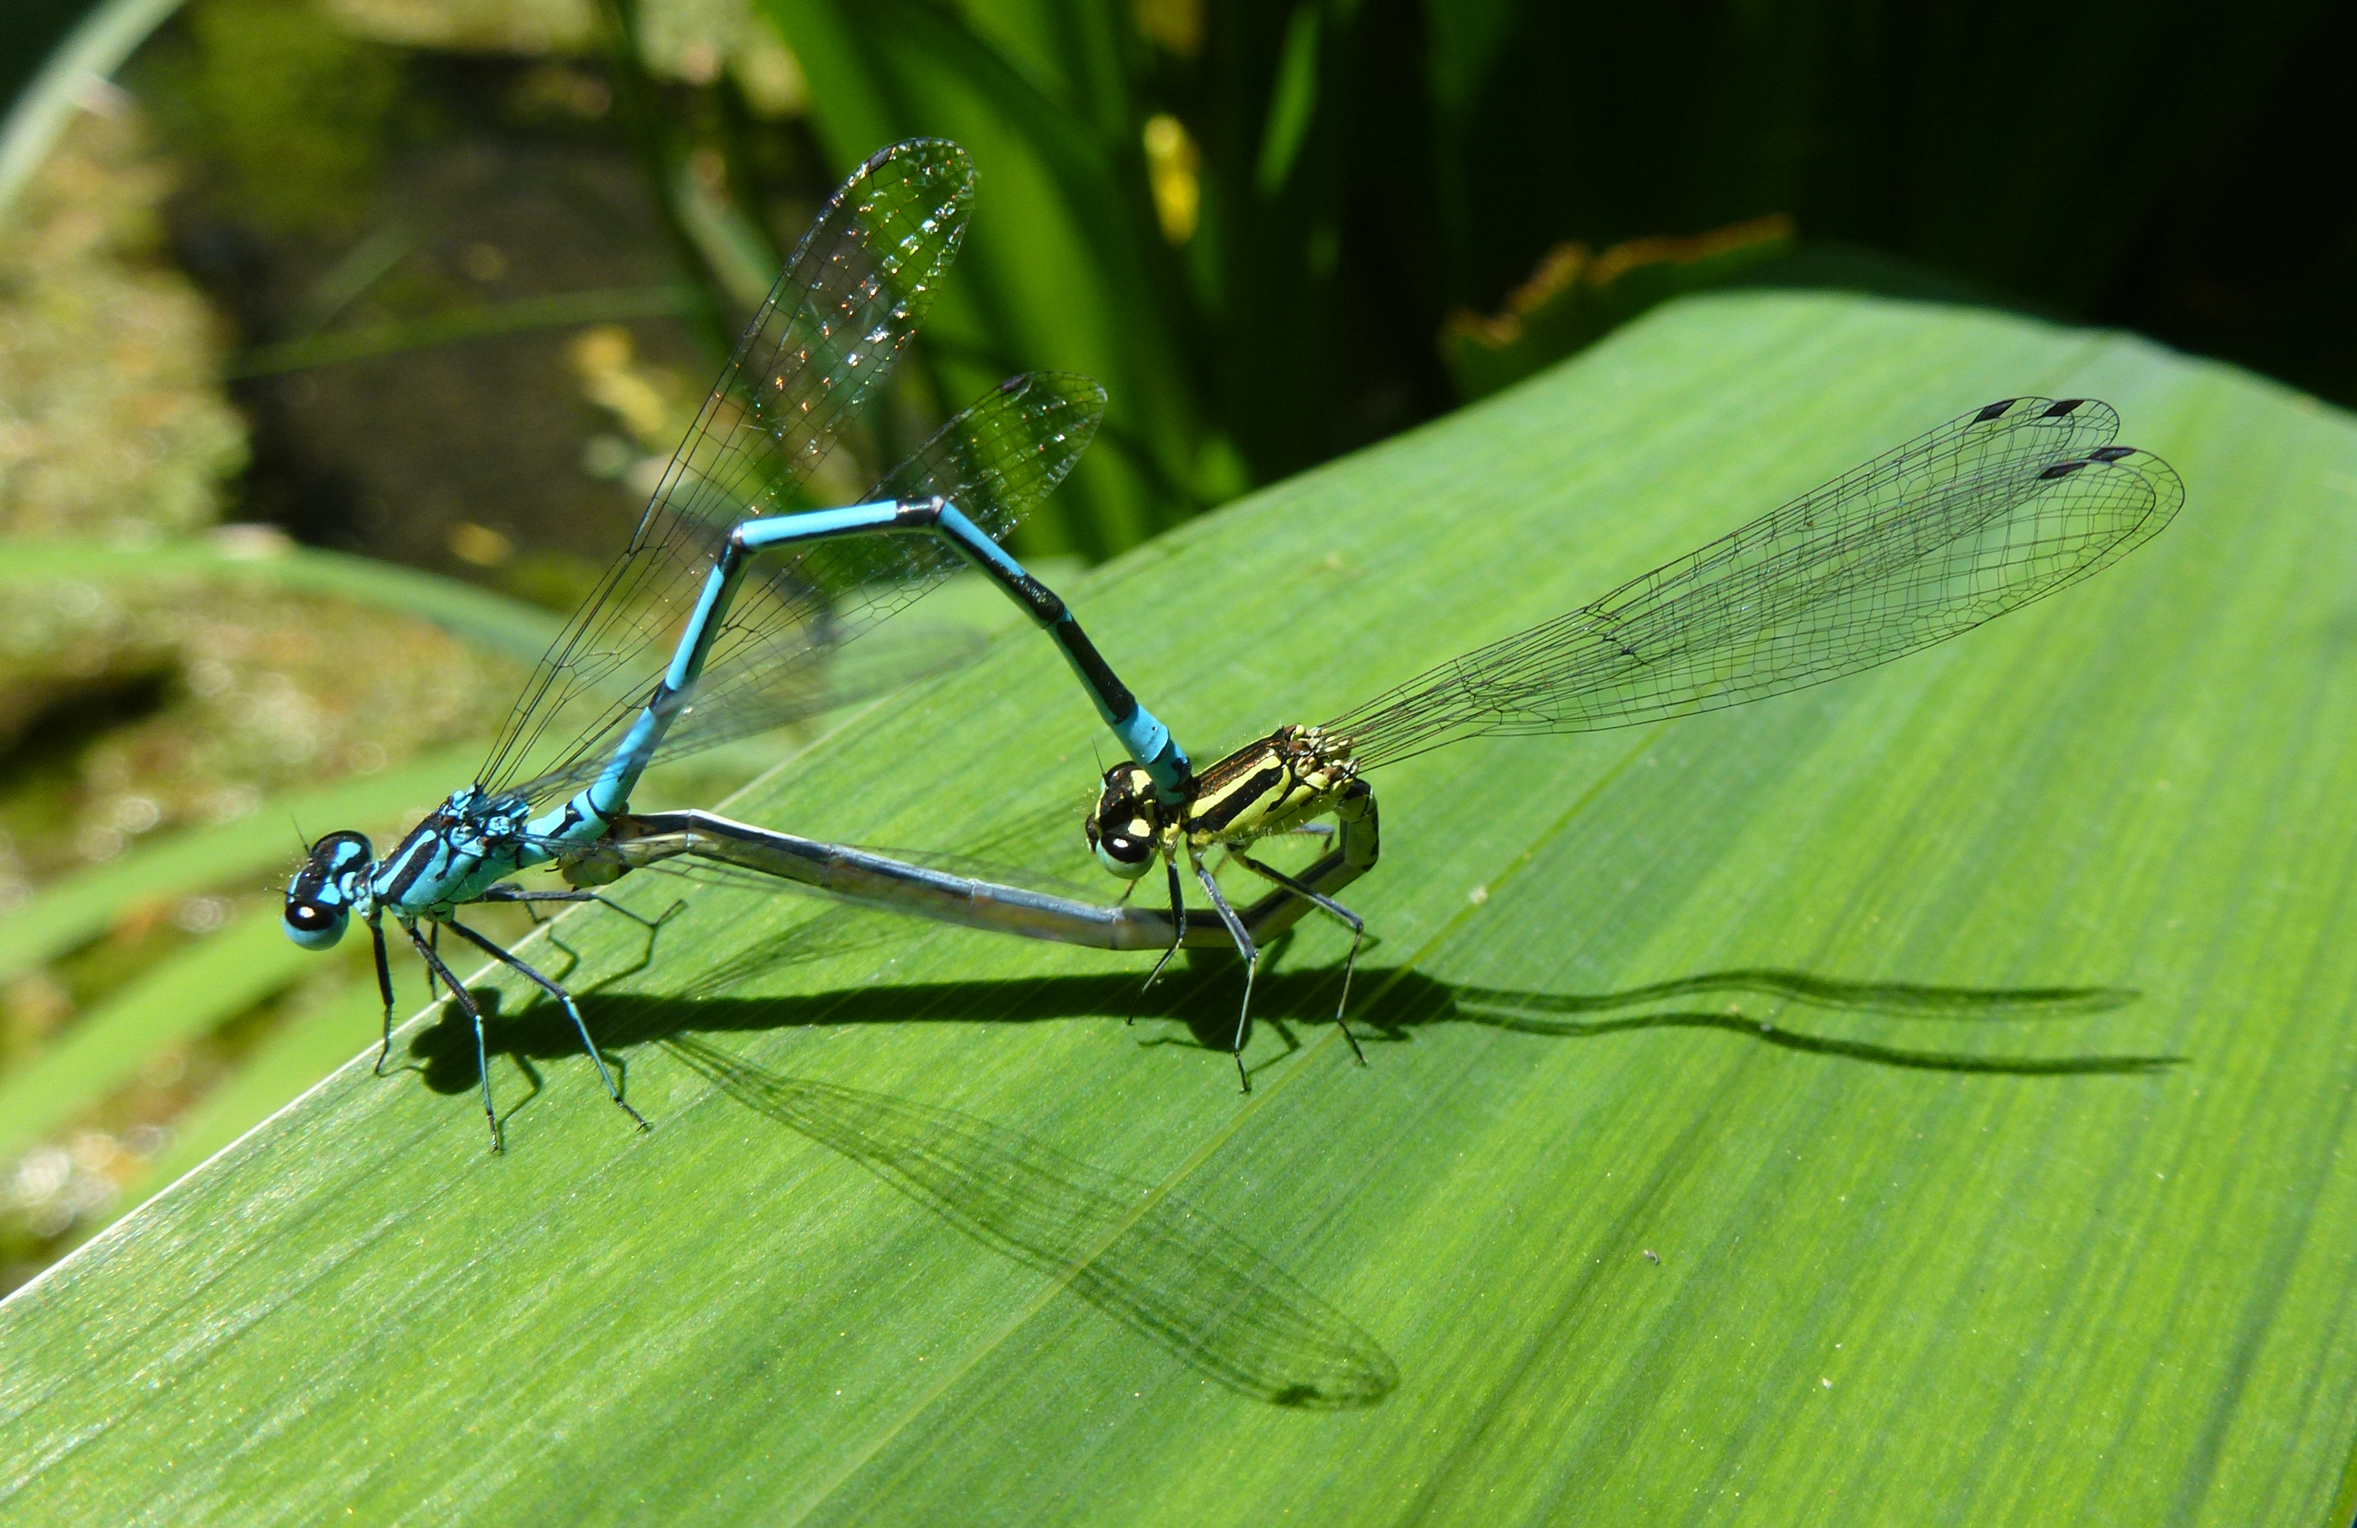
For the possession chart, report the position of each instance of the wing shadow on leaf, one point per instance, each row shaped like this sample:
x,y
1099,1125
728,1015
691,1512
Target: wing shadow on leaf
x,y
1153,1262
1156,1263
1150,1260
1538,1013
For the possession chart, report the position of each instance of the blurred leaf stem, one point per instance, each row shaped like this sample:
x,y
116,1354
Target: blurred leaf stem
x,y
561,310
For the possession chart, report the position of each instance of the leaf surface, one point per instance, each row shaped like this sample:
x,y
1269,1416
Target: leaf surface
x,y
1922,1098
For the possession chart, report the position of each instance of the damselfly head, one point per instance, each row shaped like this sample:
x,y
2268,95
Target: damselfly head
x,y
1125,826
320,898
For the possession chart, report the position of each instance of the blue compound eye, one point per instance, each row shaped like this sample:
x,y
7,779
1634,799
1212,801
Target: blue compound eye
x,y
314,925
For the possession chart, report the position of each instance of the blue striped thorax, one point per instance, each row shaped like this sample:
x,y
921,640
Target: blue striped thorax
x,y
467,845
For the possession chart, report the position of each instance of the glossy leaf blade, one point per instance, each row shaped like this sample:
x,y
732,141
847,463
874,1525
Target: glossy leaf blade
x,y
1922,1098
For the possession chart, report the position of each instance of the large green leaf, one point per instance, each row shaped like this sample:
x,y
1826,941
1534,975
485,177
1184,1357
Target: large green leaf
x,y
1923,1098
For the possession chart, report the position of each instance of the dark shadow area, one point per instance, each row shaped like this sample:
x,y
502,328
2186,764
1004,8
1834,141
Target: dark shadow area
x,y
48,723
1900,999
1831,266
1388,1006
1532,1013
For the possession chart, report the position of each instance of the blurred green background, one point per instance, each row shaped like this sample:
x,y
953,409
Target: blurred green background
x,y
340,339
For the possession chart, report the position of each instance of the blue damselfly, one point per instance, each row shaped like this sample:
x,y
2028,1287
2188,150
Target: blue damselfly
x,y
690,640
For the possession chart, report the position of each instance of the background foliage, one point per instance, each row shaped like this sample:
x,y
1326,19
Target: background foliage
x,y
1252,221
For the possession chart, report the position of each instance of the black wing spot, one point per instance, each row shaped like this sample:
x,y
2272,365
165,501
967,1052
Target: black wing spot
x,y
2063,407
2060,470
1995,410
2111,453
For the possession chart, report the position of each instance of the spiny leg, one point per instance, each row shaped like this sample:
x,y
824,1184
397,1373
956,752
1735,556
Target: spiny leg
x,y
1244,947
506,893
653,926
466,1005
1356,924
384,987
532,911
1178,920
571,1012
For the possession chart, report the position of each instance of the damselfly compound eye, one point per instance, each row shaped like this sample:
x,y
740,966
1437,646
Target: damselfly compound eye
x,y
1124,856
314,925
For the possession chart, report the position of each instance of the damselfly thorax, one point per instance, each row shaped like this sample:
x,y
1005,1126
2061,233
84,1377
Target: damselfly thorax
x,y
1273,785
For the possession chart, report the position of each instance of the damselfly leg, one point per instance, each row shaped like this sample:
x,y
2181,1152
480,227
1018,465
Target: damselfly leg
x,y
530,901
474,1013
1349,920
565,999
384,987
1245,946
466,1005
1178,922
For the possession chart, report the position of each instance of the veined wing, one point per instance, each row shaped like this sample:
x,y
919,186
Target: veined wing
x,y
994,462
826,339
1978,517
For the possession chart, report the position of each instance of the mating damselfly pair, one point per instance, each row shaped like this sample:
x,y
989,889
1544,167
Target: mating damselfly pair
x,y
718,619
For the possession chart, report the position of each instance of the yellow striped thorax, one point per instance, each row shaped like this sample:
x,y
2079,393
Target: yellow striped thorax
x,y
1270,786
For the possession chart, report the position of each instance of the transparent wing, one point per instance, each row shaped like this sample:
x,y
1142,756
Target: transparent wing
x,y
1981,516
826,339
995,462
